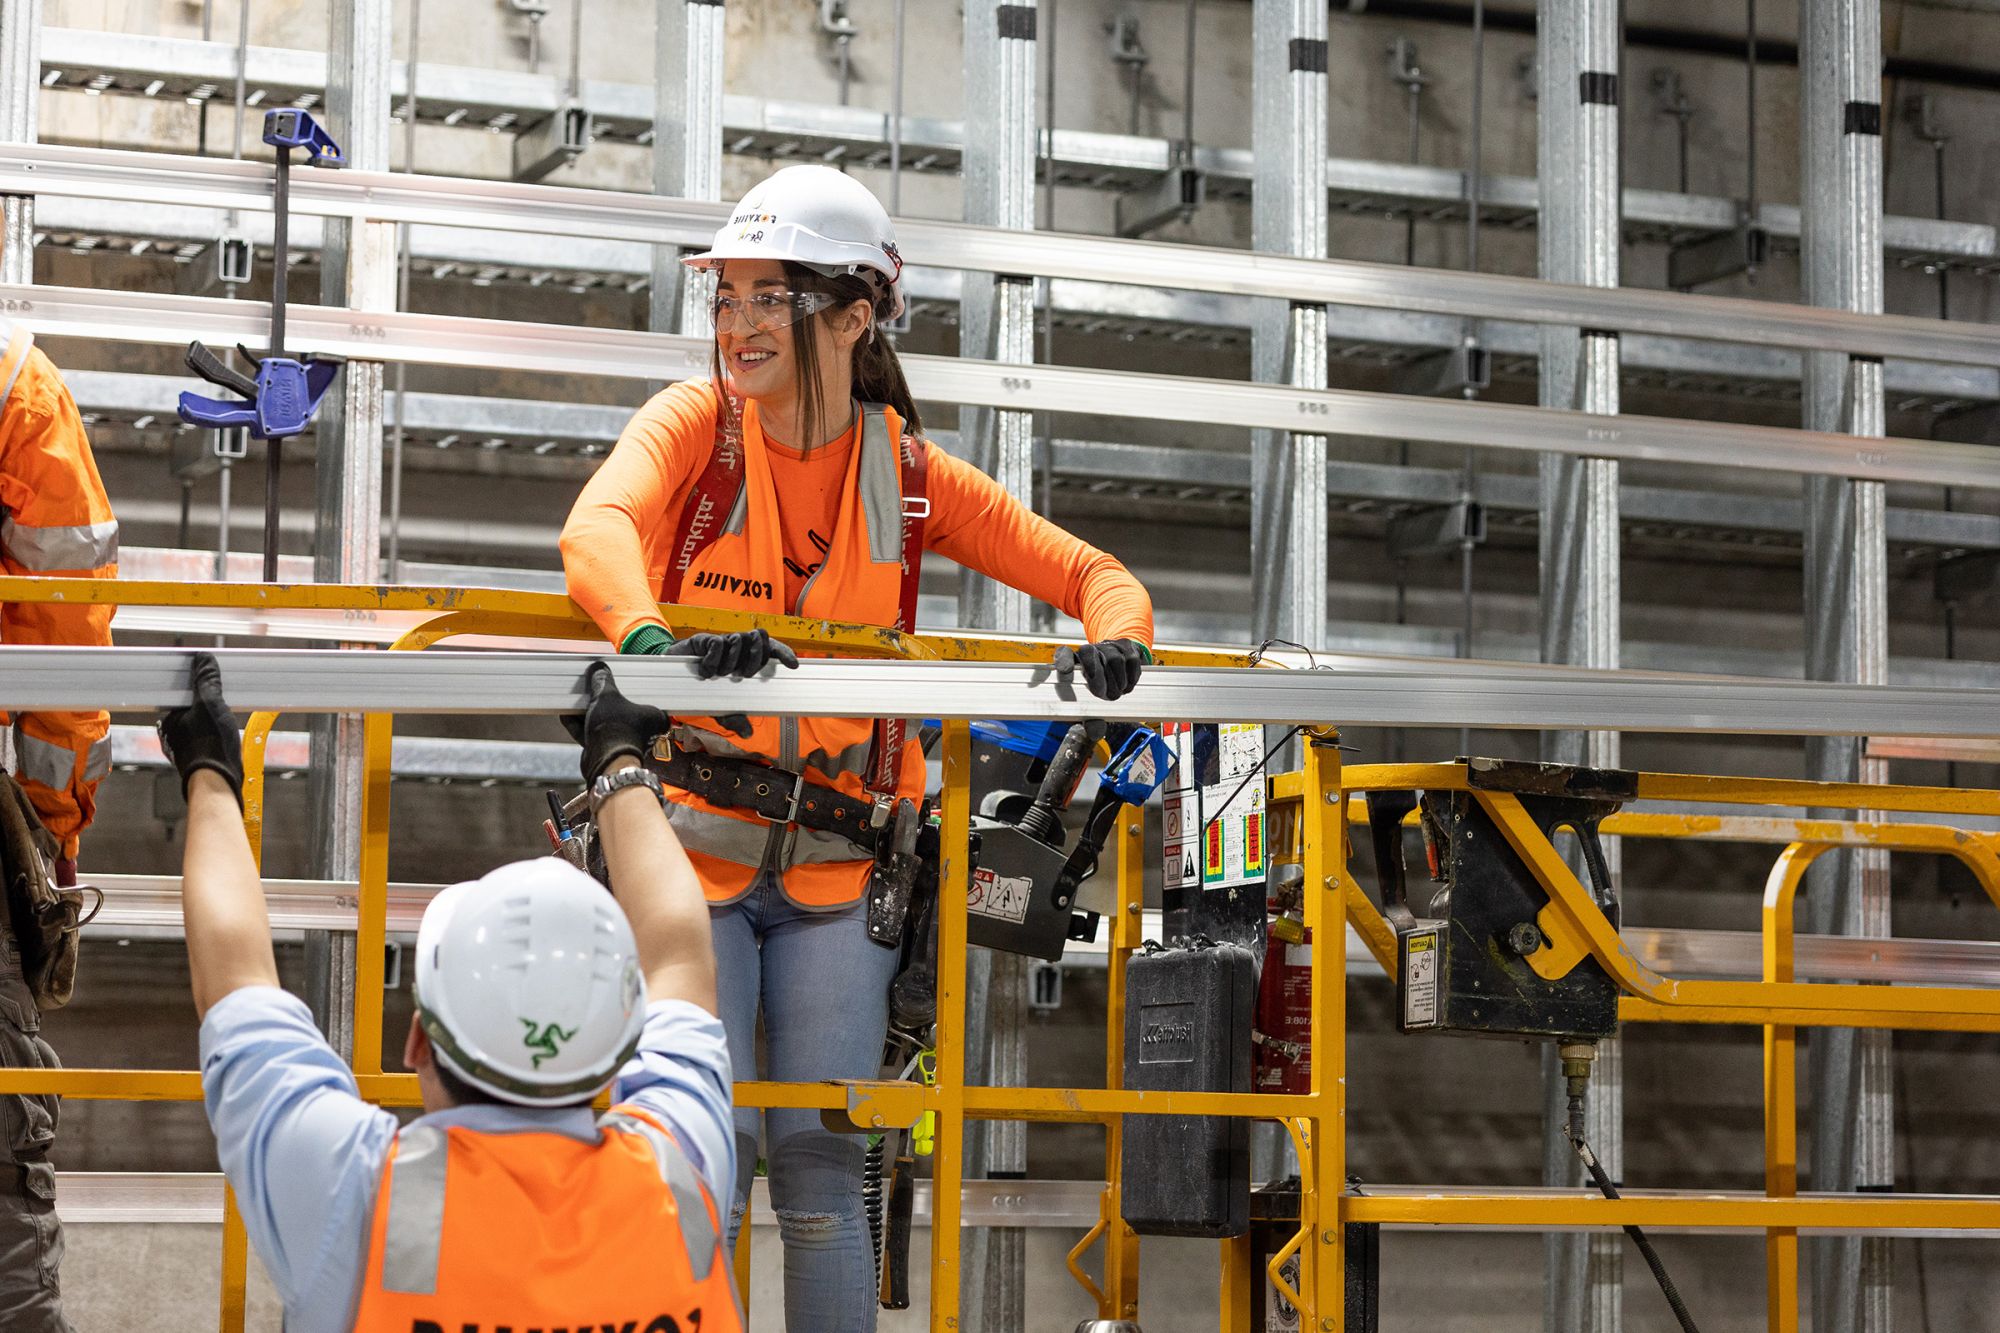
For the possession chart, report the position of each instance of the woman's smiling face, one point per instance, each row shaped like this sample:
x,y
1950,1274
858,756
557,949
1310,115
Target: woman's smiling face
x,y
761,363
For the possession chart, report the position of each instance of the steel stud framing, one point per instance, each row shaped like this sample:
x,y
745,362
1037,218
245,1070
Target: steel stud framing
x,y
1288,215
687,144
1579,170
359,271
1847,621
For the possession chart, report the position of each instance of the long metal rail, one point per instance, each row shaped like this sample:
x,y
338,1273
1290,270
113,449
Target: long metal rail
x,y
577,349
1358,691
1388,337
134,64
552,210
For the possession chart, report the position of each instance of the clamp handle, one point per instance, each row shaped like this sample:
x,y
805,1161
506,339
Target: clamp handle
x,y
290,127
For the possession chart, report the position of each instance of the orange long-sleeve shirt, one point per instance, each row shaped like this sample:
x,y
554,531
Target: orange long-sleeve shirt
x,y
55,519
616,543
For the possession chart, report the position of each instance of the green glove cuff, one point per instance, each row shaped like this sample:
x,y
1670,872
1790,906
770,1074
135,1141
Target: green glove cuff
x,y
1144,651
647,639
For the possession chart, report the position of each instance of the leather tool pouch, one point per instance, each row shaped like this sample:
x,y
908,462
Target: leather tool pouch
x,y
898,869
44,919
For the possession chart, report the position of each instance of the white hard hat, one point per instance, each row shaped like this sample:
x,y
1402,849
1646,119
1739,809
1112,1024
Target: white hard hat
x,y
527,983
815,216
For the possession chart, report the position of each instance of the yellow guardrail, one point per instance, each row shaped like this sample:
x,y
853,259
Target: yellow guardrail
x,y
1314,807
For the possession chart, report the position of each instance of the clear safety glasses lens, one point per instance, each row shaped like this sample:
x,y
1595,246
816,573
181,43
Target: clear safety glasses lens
x,y
767,312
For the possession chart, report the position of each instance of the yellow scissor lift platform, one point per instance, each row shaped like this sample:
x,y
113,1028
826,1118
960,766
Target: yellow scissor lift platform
x,y
1311,811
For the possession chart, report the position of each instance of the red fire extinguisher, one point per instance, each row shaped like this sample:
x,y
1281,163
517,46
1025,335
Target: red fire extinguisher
x,y
1282,1056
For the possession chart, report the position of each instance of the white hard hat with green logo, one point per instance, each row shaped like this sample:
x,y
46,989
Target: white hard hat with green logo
x,y
528,984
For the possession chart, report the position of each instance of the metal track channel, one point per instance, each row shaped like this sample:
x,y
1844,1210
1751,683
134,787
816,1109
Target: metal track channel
x,y
575,349
1350,690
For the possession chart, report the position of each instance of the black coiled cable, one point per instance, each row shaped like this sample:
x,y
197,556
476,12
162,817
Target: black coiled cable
x,y
1610,1191
871,1198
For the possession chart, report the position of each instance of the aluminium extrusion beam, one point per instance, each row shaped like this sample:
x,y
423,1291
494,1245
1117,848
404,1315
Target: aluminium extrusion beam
x,y
20,103
1847,617
1579,240
566,349
485,255
1350,690
498,100
1162,468
544,209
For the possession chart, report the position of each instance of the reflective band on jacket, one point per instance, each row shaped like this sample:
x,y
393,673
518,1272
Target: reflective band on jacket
x,y
852,761
697,1228
98,761
44,550
416,1211
742,841
46,762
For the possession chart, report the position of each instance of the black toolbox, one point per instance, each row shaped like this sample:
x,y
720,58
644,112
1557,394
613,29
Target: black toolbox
x,y
1187,1029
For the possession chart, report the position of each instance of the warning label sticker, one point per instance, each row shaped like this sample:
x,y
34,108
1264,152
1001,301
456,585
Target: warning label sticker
x,y
1003,897
1178,865
1232,807
1420,979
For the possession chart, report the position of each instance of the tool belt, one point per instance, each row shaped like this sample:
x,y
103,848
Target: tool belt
x,y
897,833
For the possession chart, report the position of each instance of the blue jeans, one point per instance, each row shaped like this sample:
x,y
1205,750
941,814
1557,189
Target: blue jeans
x,y
823,987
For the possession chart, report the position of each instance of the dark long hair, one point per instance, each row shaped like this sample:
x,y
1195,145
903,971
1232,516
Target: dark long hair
x,y
878,375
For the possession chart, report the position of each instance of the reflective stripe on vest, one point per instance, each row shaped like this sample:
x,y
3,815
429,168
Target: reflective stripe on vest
x,y
852,761
697,1226
742,841
71,546
415,1227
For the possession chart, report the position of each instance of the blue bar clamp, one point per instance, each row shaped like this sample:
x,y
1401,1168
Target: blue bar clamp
x,y
280,401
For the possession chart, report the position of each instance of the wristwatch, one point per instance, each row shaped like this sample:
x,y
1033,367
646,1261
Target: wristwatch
x,y
609,784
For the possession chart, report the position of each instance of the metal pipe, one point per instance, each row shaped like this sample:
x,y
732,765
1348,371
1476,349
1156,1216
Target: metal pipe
x,y
896,116
1474,182
1750,204
576,50
1187,94
1045,469
395,558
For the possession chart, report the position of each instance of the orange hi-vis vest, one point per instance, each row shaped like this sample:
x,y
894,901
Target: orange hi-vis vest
x,y
541,1231
55,521
729,553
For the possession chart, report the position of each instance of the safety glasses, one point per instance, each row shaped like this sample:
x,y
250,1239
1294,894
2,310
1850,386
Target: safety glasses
x,y
766,312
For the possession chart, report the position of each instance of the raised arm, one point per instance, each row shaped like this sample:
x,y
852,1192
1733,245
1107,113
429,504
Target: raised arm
x,y
976,523
650,874
612,552
222,898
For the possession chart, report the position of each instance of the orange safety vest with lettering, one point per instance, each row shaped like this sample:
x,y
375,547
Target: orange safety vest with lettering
x,y
729,554
543,1231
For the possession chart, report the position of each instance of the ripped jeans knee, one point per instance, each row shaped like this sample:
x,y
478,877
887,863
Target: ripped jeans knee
x,y
816,1189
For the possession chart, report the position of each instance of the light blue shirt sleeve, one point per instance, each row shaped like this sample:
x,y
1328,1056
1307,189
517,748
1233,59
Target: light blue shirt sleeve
x,y
301,1149
681,1074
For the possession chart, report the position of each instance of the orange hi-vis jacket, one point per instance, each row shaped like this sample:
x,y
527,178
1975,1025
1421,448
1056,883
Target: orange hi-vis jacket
x,y
540,1231
54,520
848,496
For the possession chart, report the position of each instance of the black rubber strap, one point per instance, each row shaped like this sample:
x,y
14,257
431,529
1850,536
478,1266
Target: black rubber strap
x,y
1597,87
1308,55
1862,118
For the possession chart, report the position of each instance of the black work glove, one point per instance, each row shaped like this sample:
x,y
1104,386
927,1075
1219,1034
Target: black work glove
x,y
736,655
204,734
612,725
1110,668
